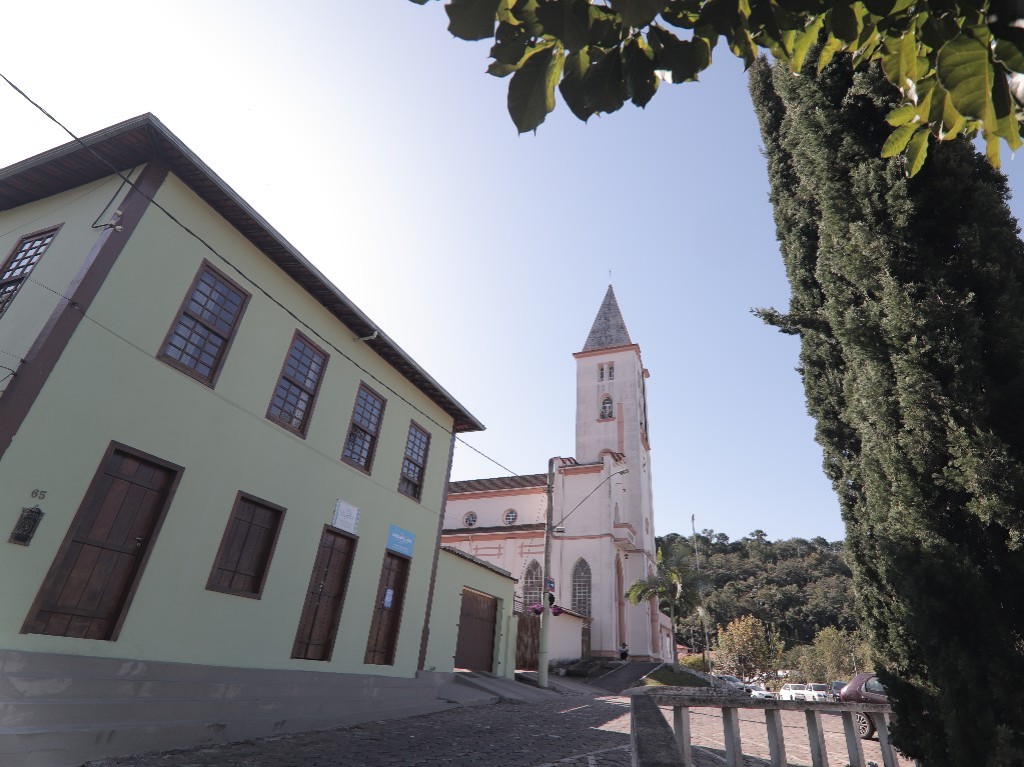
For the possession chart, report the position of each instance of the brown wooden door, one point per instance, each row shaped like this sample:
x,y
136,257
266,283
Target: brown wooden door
x,y
88,589
387,612
527,640
321,614
478,619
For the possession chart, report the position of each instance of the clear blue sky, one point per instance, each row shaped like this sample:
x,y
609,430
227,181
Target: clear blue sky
x,y
377,144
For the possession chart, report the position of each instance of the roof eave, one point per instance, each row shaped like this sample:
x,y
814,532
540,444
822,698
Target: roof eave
x,y
145,139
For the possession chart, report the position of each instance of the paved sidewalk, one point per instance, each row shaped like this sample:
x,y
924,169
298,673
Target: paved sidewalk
x,y
574,729
569,731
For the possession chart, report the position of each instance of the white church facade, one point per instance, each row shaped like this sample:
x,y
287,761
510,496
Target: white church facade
x,y
602,536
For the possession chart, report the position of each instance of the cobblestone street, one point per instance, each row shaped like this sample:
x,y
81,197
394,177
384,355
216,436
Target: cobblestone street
x,y
570,731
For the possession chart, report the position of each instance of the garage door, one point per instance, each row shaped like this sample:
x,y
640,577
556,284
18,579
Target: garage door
x,y
477,623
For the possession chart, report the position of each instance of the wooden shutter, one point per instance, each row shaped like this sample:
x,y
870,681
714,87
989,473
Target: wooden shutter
x,y
243,558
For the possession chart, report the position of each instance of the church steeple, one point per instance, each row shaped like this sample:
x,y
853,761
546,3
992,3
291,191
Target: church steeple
x,y
609,329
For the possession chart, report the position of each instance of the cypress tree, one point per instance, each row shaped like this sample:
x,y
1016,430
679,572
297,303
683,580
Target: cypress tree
x,y
908,297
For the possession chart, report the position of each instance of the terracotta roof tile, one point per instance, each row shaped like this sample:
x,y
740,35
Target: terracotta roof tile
x,y
498,483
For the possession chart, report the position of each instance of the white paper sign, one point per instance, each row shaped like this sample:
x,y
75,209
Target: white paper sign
x,y
346,516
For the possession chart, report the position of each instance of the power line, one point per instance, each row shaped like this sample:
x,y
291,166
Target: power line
x,y
127,181
227,400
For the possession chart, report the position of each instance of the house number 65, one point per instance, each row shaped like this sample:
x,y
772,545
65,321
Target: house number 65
x,y
40,494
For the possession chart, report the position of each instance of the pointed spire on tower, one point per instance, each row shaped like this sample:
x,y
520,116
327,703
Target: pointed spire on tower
x,y
609,329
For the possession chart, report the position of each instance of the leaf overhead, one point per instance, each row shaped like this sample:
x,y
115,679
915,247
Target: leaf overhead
x,y
684,59
531,92
950,59
964,70
638,67
472,19
637,13
604,88
566,20
574,70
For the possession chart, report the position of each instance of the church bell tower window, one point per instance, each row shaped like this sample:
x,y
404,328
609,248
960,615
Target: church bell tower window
x,y
611,371
606,408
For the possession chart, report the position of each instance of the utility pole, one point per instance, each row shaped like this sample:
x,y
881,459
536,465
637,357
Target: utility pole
x,y
700,586
543,643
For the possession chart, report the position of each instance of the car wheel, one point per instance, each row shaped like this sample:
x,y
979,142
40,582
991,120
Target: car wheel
x,y
865,726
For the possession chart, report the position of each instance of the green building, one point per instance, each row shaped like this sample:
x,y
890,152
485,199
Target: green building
x,y
224,484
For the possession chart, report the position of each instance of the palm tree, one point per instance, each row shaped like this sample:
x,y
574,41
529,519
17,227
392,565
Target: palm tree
x,y
674,583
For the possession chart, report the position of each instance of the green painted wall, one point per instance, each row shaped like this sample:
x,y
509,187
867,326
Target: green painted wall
x,y
75,211
454,573
109,385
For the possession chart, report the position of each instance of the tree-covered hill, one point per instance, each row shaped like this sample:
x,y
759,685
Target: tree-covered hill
x,y
795,586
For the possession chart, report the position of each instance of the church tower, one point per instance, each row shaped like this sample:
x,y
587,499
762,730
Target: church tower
x,y
601,525
612,429
611,412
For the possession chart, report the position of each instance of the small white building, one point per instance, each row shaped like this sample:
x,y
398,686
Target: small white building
x,y
602,506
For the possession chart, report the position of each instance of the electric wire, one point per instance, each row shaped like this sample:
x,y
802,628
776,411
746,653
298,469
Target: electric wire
x,y
49,213
174,219
227,400
126,180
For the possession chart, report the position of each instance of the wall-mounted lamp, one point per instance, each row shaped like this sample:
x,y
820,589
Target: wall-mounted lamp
x,y
26,526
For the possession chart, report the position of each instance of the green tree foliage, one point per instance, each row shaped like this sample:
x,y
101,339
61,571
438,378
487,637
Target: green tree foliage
x,y
796,586
908,297
674,584
953,61
748,648
833,656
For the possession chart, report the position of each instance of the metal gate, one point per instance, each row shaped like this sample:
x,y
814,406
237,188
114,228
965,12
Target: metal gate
x,y
477,622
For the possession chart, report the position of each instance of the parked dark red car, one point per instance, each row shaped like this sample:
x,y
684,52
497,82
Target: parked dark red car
x,y
864,688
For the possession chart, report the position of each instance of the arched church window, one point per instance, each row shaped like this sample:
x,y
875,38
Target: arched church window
x,y
510,517
531,584
581,587
469,519
606,407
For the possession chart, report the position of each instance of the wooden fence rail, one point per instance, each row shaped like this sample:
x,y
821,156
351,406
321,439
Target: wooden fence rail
x,y
649,738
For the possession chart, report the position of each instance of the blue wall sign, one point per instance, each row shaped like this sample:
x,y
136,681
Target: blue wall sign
x,y
400,541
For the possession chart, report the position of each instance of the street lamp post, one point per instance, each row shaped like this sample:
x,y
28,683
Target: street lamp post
x,y
543,642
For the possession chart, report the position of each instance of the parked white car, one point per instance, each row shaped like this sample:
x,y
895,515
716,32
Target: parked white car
x,y
758,691
817,693
793,691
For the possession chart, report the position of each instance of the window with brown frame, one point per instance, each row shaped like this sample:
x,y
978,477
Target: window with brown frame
x,y
20,263
243,558
198,341
414,463
296,390
362,431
